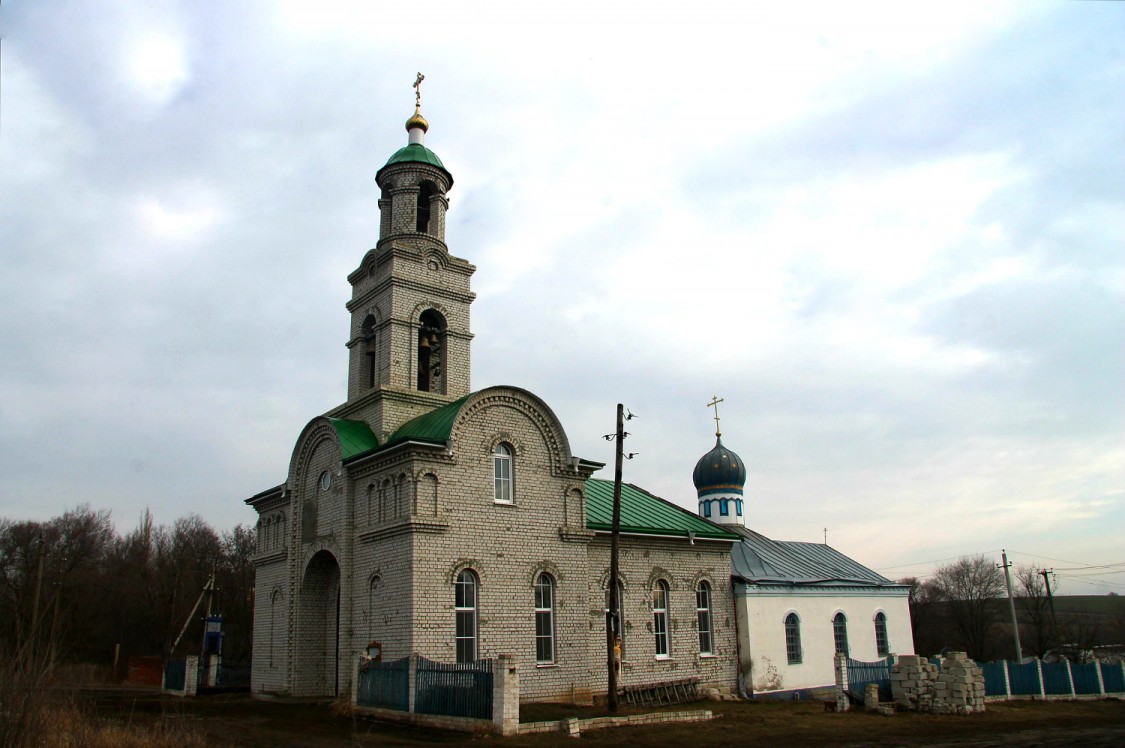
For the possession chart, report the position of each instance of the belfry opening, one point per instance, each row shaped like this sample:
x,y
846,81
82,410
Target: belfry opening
x,y
431,352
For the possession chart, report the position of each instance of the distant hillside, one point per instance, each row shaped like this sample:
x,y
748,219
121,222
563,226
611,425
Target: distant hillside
x,y
1098,605
1080,622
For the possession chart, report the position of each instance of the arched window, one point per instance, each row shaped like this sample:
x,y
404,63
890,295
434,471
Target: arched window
x,y
660,618
793,639
706,508
544,619
465,607
431,352
724,507
882,646
840,632
738,507
425,192
703,614
371,369
502,471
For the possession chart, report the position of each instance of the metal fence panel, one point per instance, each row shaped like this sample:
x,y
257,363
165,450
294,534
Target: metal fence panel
x,y
993,678
1113,678
1055,678
234,675
861,673
384,684
1085,677
175,674
456,689
1024,679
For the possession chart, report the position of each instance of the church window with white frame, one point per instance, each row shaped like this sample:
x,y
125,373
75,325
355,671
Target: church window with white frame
x,y
660,619
544,619
703,615
840,632
465,612
793,639
882,644
502,472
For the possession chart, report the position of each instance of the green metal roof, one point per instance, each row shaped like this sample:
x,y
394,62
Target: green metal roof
x,y
644,514
429,427
355,437
415,153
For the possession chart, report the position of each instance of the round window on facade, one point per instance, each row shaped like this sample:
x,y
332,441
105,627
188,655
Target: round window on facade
x,y
326,480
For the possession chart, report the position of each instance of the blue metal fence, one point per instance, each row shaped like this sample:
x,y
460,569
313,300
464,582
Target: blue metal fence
x,y
1113,677
1024,679
1085,678
175,674
1056,679
384,684
460,689
994,678
861,673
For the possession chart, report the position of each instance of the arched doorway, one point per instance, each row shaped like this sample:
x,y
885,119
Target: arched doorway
x,y
318,628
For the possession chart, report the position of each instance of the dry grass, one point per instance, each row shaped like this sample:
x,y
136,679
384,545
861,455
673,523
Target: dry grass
x,y
71,727
40,707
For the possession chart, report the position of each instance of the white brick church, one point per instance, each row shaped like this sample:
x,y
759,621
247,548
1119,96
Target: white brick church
x,y
458,525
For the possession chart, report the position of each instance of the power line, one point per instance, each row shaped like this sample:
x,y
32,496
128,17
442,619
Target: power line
x,y
1063,560
939,560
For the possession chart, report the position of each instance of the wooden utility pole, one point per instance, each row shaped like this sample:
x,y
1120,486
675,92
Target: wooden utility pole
x,y
613,624
1045,573
1012,605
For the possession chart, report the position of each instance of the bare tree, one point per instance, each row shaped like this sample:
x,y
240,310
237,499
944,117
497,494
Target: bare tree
x,y
1079,633
972,585
925,614
1038,629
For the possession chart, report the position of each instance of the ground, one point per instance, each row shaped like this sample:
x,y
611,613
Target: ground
x,y
237,720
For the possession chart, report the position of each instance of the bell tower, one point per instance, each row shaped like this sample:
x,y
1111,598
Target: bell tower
x,y
410,335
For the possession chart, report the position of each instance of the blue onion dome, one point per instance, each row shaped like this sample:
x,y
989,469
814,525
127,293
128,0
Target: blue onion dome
x,y
719,471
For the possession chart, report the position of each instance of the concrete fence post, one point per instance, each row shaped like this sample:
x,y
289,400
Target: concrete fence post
x,y
1101,680
1042,685
1070,677
1007,680
191,675
355,679
411,681
506,695
841,682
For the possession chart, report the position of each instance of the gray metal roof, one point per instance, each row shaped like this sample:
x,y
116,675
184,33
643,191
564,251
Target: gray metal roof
x,y
759,560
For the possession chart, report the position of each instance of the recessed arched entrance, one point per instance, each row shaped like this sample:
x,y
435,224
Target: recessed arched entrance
x,y
318,628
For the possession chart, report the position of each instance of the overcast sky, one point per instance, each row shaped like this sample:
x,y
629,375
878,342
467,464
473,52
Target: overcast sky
x,y
892,237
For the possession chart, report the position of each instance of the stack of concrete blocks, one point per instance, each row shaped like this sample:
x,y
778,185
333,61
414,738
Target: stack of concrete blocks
x,y
912,682
959,688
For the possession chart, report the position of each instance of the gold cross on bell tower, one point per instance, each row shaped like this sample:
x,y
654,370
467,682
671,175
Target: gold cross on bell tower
x,y
418,91
715,404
